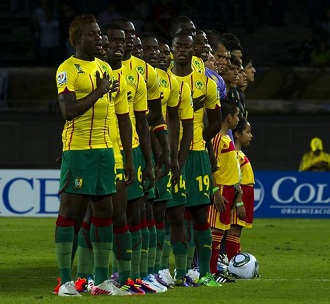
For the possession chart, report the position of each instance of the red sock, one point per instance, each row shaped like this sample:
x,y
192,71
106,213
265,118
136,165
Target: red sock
x,y
216,241
233,245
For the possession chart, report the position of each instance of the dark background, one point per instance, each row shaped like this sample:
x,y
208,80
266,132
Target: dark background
x,y
288,102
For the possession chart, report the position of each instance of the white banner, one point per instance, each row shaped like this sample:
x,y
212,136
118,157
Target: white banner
x,y
29,193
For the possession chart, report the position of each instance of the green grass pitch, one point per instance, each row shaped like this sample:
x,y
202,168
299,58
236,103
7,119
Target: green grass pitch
x,y
293,254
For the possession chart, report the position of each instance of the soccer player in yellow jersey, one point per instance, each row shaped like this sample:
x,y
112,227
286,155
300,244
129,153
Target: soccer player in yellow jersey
x,y
155,117
122,249
123,178
183,23
138,109
88,167
169,89
227,177
198,168
155,120
175,207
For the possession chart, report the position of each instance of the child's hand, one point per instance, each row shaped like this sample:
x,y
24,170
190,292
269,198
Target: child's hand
x,y
219,201
241,213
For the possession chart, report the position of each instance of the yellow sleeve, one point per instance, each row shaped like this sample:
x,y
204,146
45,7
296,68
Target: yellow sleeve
x,y
152,83
66,77
120,97
173,99
198,65
140,100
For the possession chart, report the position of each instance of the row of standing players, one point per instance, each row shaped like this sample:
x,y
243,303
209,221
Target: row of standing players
x,y
147,145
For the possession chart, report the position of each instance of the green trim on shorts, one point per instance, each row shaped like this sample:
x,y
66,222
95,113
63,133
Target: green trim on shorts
x,y
88,172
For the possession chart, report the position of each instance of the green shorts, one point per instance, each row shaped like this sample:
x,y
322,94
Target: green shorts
x,y
178,192
153,192
198,171
135,190
164,186
88,172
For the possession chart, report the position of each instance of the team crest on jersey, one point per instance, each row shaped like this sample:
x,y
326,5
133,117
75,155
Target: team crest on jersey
x,y
78,182
79,69
199,85
130,79
164,83
62,78
104,68
140,69
197,64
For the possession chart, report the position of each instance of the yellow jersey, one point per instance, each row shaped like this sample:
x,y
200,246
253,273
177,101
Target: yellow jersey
x,y
228,172
200,85
119,97
148,73
138,101
246,169
169,89
89,130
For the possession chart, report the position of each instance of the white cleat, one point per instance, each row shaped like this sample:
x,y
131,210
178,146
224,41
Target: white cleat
x,y
152,282
165,275
108,287
193,274
68,289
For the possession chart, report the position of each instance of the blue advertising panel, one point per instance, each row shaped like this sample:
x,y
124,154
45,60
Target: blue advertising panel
x,y
277,194
292,194
31,193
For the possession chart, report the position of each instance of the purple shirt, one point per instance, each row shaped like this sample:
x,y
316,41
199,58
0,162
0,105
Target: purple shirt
x,y
218,80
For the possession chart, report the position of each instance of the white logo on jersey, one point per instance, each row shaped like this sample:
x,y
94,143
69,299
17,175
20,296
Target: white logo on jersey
x,y
61,78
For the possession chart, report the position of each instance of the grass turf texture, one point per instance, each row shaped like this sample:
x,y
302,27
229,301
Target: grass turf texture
x,y
293,254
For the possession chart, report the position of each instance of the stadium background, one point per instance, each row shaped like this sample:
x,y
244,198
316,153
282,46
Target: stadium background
x,y
288,102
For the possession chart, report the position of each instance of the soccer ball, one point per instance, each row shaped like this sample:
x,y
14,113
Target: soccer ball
x,y
243,266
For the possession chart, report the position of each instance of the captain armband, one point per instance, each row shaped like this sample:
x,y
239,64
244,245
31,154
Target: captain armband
x,y
160,129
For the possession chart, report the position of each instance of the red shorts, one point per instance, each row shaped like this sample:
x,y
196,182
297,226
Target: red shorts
x,y
248,200
221,220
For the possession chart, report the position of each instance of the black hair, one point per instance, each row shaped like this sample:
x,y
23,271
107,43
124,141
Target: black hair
x,y
240,126
235,60
232,42
182,34
76,27
145,35
198,31
121,19
246,61
228,107
175,23
103,31
163,40
214,38
112,26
